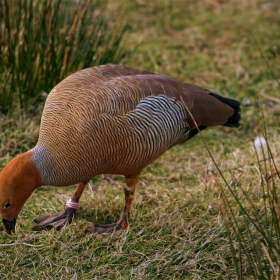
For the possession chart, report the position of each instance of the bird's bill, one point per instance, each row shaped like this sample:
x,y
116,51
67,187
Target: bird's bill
x,y
9,225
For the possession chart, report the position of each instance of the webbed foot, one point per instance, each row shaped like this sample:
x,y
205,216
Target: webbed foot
x,y
118,227
114,229
56,221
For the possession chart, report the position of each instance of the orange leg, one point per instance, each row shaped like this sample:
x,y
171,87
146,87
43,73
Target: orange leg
x,y
64,217
78,192
119,227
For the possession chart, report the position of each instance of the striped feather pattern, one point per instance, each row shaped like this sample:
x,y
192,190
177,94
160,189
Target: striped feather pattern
x,y
115,119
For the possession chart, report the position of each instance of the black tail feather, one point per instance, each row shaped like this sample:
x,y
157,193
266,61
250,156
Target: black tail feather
x,y
233,121
194,131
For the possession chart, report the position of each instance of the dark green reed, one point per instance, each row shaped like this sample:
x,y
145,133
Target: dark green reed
x,y
43,41
254,231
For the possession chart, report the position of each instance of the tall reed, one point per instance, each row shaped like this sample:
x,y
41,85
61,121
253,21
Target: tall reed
x,y
43,41
251,214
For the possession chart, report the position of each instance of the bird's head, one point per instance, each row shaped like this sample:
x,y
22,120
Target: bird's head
x,y
18,180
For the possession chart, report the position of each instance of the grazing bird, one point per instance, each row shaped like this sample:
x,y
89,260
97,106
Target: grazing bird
x,y
107,119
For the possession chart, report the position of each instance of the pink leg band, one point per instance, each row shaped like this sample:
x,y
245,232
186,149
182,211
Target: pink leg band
x,y
72,204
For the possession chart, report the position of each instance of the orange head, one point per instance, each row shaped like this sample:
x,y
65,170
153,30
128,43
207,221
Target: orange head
x,y
18,180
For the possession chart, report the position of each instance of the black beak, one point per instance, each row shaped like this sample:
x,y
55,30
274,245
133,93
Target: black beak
x,y
9,225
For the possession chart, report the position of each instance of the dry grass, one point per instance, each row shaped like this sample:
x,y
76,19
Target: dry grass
x,y
17,134
43,41
180,220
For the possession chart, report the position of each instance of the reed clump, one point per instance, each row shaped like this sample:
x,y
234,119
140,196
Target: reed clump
x,y
43,41
251,214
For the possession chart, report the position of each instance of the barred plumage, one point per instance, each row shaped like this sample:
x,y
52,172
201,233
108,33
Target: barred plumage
x,y
114,119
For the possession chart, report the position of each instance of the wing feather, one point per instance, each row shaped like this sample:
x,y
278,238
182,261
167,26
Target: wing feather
x,y
117,90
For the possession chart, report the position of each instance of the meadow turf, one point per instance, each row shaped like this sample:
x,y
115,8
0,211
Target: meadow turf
x,y
185,222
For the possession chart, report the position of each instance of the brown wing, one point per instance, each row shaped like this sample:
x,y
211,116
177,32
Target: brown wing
x,y
206,109
116,90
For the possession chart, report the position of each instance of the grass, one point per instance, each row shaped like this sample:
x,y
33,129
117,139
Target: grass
x,y
42,42
184,213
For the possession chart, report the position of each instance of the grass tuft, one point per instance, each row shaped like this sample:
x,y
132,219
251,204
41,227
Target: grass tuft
x,y
254,228
42,42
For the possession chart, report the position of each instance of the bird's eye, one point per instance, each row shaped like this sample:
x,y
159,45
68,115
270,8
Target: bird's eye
x,y
7,205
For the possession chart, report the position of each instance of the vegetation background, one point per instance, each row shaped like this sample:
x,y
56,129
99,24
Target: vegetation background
x,y
191,220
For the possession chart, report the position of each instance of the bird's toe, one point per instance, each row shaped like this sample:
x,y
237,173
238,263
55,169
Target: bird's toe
x,y
56,221
115,229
